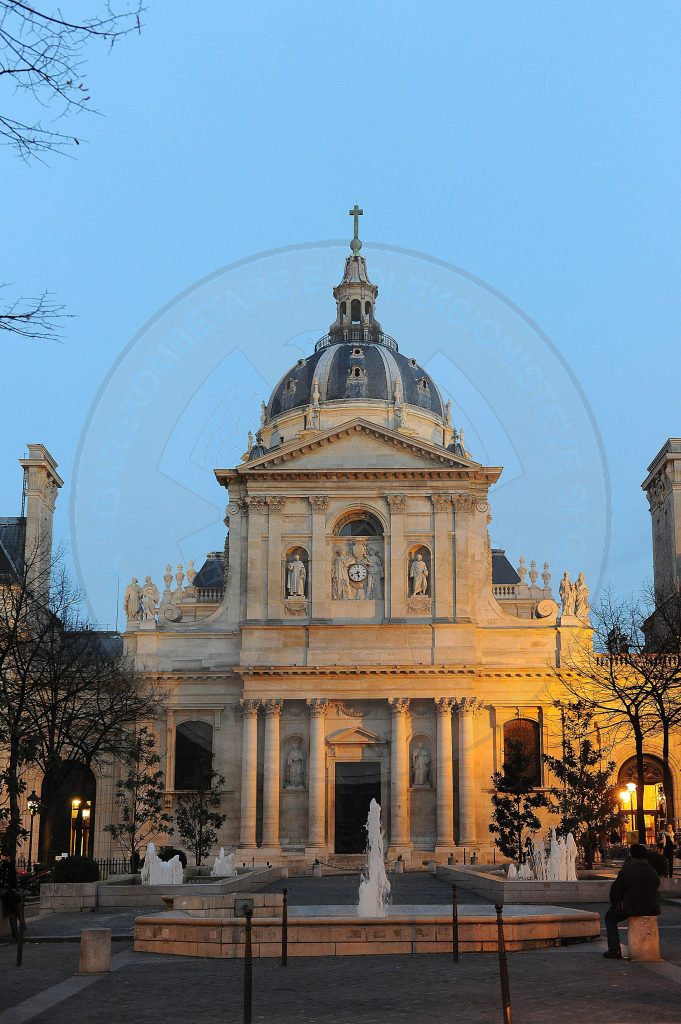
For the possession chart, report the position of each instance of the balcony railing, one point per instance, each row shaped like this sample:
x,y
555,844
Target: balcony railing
x,y
362,334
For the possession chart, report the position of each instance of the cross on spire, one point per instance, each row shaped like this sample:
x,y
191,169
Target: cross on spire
x,y
356,212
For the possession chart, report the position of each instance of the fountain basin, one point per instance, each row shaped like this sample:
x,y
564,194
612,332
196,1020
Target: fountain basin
x,y
313,931
592,889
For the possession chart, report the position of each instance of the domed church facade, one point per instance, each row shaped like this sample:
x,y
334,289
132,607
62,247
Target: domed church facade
x,y
358,636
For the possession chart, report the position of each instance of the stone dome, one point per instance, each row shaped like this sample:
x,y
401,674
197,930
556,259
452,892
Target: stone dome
x,y
355,365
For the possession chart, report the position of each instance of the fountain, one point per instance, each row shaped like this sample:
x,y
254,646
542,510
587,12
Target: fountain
x,y
158,872
559,866
374,887
223,866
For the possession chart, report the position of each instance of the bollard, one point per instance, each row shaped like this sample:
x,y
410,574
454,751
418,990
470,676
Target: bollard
x,y
284,930
503,967
455,927
22,926
95,951
248,965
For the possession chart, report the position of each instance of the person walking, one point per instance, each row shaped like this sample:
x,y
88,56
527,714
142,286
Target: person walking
x,y
9,893
634,893
669,848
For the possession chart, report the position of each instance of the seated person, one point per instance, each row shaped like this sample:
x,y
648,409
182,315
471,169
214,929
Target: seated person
x,y
634,893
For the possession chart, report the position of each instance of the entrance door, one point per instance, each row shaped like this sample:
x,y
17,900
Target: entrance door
x,y
357,783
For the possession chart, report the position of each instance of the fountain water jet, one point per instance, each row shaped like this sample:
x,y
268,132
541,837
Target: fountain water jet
x,y
374,888
158,872
223,866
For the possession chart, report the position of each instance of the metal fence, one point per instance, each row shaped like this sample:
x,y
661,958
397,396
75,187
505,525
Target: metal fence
x,y
107,866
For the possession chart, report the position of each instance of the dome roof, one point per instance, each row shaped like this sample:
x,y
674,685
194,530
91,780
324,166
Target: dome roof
x,y
355,370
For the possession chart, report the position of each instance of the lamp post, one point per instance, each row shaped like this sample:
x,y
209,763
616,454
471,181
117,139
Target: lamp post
x,y
33,804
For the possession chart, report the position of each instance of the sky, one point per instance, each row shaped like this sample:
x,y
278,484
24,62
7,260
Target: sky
x,y
535,147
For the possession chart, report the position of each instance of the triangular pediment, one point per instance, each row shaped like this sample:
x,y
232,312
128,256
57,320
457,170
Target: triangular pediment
x,y
357,444
355,735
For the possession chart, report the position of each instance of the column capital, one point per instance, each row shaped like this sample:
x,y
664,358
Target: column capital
x,y
256,503
317,706
464,502
319,502
441,502
397,502
399,705
275,502
272,707
444,705
469,705
249,707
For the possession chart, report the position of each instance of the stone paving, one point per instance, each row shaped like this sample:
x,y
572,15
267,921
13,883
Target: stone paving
x,y
555,985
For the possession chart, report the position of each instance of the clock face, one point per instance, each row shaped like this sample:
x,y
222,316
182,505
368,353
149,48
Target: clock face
x,y
357,572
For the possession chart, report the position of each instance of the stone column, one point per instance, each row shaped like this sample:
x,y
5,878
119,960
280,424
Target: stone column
x,y
445,778
275,591
464,507
398,556
270,803
170,749
317,775
468,708
399,774
235,595
255,585
443,564
317,562
249,772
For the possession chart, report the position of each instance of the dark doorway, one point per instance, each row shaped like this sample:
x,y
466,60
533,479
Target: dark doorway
x,y
357,783
67,822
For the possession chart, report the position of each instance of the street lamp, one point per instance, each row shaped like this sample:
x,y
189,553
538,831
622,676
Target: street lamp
x,y
33,804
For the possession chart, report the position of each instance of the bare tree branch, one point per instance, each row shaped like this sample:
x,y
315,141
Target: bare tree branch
x,y
33,318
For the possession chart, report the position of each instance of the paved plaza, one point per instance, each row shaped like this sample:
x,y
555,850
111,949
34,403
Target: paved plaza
x,y
555,985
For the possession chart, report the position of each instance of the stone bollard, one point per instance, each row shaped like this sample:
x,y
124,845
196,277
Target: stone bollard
x,y
643,938
399,866
95,951
317,870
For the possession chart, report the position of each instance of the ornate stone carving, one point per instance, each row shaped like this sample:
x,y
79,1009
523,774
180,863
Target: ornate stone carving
x,y
275,502
420,604
658,489
272,707
420,763
397,502
319,502
376,574
418,576
398,705
463,502
441,502
469,706
249,706
150,597
256,504
295,606
566,590
296,575
233,507
444,705
356,571
582,606
482,506
132,601
294,772
317,706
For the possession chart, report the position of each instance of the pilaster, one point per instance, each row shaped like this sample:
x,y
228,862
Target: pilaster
x,y
445,777
249,772
255,592
400,838
468,708
317,776
443,567
319,504
271,780
275,593
398,603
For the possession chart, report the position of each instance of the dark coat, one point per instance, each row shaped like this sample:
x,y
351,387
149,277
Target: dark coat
x,y
659,862
635,888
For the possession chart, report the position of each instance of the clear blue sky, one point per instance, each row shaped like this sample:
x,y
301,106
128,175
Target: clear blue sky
x,y
535,145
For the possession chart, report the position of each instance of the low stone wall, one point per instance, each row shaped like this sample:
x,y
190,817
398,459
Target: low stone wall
x,y
227,905
328,936
498,889
117,892
71,896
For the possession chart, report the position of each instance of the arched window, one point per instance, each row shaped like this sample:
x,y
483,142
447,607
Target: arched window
x,y
355,311
367,309
358,523
522,750
343,308
193,755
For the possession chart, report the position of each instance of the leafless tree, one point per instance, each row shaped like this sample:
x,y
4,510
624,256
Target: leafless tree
x,y
42,54
66,690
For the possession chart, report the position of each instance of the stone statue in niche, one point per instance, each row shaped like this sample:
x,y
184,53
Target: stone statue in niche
x,y
340,582
295,765
295,577
420,760
376,574
132,601
418,576
150,598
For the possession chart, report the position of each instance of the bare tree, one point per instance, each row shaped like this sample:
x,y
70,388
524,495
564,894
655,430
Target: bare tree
x,y
66,690
42,53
